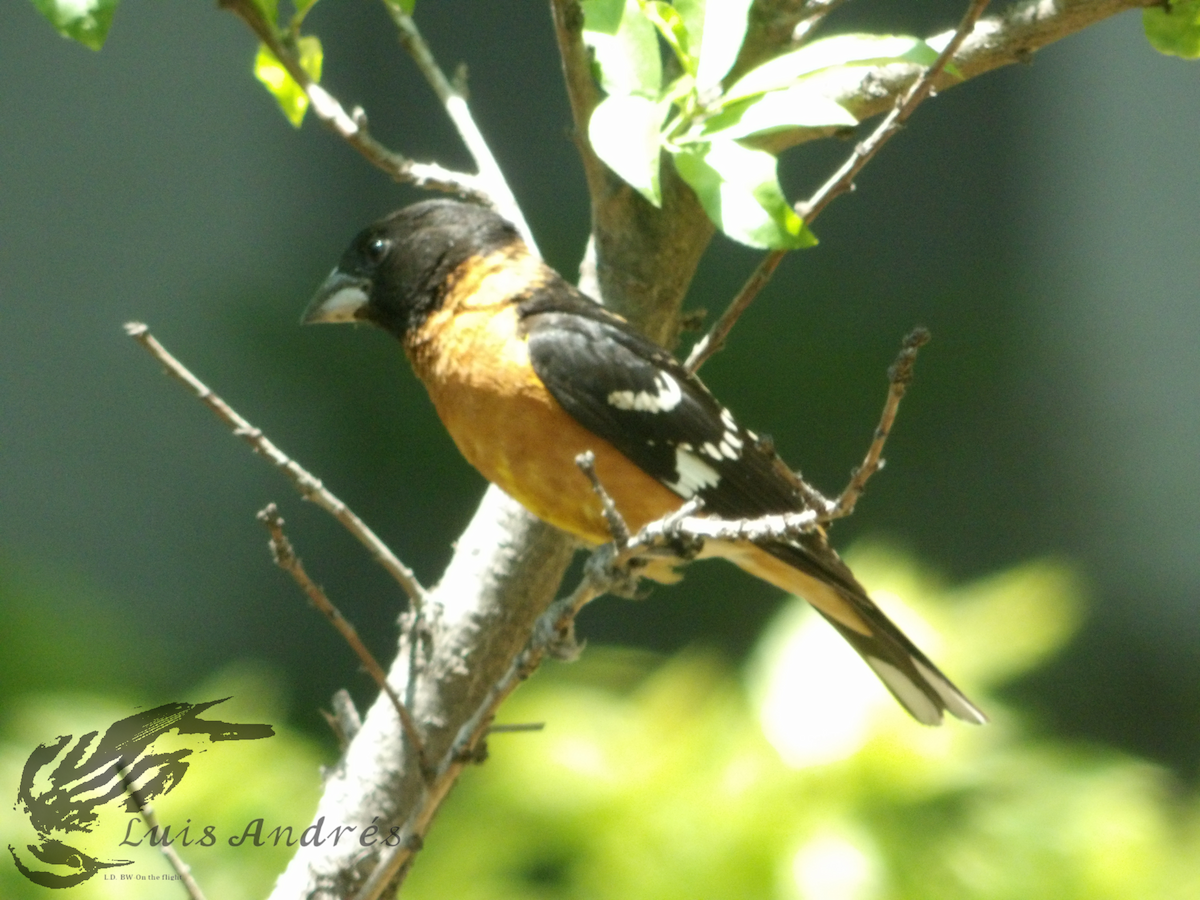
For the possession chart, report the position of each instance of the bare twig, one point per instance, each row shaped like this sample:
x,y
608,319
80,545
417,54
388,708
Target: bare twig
x,y
839,183
842,180
516,727
899,378
616,522
1012,36
714,340
285,557
352,127
182,869
455,102
309,486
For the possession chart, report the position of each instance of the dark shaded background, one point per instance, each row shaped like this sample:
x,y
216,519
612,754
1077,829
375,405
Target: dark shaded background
x,y
1041,221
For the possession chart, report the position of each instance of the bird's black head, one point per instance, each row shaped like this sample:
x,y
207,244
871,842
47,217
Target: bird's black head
x,y
393,272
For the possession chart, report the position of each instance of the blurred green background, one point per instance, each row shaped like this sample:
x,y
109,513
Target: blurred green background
x,y
1040,221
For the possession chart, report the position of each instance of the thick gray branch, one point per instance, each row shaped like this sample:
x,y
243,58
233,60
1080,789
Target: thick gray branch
x,y
1013,36
503,575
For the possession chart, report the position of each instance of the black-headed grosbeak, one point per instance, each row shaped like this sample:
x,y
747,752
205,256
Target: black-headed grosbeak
x,y
526,373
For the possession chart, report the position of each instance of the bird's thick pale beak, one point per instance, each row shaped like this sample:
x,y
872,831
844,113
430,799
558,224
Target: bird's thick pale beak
x,y
342,298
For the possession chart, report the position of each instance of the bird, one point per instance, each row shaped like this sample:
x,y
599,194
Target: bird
x,y
526,373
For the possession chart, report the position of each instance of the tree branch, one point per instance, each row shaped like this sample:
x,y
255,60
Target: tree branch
x,y
900,375
352,127
455,103
841,182
285,557
309,487
1013,36
505,570
166,847
988,44
505,567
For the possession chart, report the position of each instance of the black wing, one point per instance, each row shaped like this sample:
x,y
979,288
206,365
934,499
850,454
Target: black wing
x,y
623,387
628,390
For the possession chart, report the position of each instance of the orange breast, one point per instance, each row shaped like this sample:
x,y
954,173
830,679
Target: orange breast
x,y
475,365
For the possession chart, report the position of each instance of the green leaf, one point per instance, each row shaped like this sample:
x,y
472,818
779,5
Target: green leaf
x,y
843,50
799,106
624,133
1174,31
625,45
692,13
287,93
85,21
671,26
725,24
739,189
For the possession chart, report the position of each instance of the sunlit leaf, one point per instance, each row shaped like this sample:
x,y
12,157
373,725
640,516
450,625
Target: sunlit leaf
x,y
625,46
692,13
795,107
739,189
724,30
624,132
674,31
1014,620
1174,30
85,21
287,93
845,49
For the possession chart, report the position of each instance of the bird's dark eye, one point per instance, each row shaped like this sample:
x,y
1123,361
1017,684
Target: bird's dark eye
x,y
376,249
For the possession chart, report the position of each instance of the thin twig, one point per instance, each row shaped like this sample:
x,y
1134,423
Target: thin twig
x,y
182,869
663,533
586,462
714,340
310,487
516,727
285,557
842,181
352,127
455,103
900,375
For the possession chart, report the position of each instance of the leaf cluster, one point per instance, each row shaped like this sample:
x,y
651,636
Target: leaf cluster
x,y
703,125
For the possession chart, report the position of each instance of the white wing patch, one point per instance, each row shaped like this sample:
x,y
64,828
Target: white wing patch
x,y
694,473
666,396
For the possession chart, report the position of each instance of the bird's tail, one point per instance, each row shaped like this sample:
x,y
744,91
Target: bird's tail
x,y
819,576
